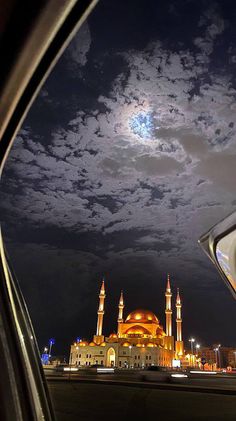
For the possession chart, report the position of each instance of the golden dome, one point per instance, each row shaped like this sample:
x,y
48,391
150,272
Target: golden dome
x,y
142,316
83,343
92,344
103,344
113,336
126,344
160,332
137,330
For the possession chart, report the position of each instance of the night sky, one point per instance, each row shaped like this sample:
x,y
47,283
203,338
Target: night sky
x,y
126,157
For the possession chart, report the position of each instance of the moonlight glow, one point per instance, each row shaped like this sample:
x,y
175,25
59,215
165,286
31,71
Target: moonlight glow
x,y
142,125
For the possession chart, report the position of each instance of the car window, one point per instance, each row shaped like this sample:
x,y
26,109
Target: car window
x,y
126,156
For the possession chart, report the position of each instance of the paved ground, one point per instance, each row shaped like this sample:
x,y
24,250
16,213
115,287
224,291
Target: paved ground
x,y
95,402
221,381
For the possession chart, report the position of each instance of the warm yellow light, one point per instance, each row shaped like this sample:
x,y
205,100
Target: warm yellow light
x,y
138,332
126,344
138,316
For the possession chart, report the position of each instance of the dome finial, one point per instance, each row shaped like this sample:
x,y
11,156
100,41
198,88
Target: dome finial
x,y
168,282
121,302
178,300
103,286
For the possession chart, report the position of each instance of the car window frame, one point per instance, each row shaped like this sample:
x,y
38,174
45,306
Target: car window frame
x,y
41,33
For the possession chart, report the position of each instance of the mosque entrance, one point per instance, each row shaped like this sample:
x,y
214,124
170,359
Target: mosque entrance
x,y
111,357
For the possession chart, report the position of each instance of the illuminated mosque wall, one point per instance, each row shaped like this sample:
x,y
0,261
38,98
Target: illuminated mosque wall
x,y
140,340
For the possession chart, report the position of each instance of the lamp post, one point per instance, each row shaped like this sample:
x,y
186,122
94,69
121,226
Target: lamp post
x,y
130,350
216,350
197,349
51,343
219,355
192,340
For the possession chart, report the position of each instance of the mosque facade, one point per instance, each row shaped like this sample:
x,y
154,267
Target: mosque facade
x,y
140,340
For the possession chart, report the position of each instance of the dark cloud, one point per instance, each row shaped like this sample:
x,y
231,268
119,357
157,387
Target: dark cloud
x,y
219,169
152,165
124,161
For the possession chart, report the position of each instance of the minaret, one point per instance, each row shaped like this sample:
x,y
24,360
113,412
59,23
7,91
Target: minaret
x,y
179,345
99,338
169,339
121,308
168,310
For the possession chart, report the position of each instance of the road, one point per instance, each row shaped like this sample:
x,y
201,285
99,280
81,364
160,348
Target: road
x,y
219,381
75,401
124,396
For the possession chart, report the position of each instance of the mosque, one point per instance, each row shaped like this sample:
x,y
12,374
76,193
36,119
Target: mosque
x,y
140,340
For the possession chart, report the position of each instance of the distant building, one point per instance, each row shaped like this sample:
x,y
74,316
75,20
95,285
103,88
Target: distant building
x,y
208,354
221,357
232,357
140,340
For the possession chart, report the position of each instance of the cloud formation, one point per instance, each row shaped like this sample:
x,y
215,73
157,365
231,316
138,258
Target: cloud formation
x,y
137,164
100,174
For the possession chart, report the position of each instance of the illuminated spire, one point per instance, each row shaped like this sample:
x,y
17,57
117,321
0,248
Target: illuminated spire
x,y
178,316
102,290
168,283
168,310
121,308
100,312
178,300
121,302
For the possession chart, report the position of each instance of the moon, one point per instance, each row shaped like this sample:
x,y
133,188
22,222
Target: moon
x,y
142,125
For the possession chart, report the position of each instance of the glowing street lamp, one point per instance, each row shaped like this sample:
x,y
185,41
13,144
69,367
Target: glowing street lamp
x,y
51,343
198,346
130,348
216,350
219,355
46,350
191,340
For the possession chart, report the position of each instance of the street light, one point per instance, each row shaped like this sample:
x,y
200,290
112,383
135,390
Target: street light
x,y
51,343
130,348
197,349
216,350
192,340
219,355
